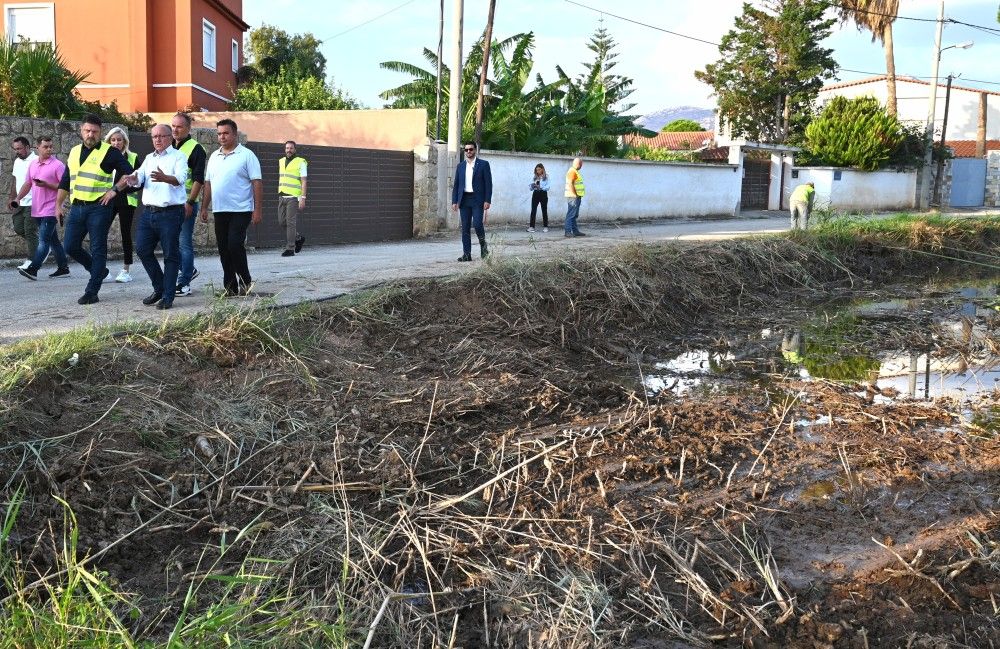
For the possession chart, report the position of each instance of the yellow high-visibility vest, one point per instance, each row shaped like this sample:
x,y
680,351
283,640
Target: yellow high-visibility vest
x,y
132,198
289,180
88,182
187,149
574,182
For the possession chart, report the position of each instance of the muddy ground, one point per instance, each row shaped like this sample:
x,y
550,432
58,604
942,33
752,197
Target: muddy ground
x,y
483,463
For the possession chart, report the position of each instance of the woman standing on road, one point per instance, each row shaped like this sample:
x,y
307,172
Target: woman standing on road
x,y
124,204
539,196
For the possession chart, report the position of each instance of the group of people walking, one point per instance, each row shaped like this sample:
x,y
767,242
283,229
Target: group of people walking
x,y
102,179
178,181
472,193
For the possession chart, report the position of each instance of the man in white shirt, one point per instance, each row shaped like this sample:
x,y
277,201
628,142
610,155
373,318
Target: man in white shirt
x,y
234,190
161,178
25,226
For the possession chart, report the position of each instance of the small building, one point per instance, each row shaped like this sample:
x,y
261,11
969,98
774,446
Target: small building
x,y
147,55
967,108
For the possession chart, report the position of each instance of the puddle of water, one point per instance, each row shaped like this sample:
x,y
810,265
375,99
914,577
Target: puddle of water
x,y
860,343
688,372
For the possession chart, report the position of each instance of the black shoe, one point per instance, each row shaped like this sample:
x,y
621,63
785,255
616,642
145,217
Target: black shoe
x,y
579,234
465,258
288,253
27,272
106,273
194,274
568,235
483,250
60,272
163,305
183,290
152,299
88,298
299,242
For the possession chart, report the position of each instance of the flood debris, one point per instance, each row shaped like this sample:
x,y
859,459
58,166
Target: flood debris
x,y
481,463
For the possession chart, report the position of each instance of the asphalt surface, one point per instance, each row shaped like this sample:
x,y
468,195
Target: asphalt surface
x,y
49,305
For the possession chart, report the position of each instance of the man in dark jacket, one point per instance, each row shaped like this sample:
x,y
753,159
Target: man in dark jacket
x,y
471,196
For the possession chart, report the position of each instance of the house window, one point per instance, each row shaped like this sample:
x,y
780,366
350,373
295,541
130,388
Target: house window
x,y
208,44
30,22
236,56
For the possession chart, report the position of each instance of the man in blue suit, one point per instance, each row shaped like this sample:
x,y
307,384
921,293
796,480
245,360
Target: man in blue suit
x,y
471,195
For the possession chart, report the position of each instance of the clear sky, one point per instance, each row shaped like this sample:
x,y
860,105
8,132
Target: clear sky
x,y
661,64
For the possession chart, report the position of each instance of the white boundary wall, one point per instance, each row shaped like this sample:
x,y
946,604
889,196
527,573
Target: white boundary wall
x,y
616,189
855,190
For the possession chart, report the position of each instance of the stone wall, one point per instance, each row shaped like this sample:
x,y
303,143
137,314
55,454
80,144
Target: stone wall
x,y
429,200
992,179
66,135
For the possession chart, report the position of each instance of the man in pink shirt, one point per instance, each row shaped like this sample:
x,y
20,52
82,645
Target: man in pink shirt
x,y
44,175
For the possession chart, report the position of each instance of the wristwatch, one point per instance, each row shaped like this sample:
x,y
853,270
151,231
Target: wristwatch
x,y
190,202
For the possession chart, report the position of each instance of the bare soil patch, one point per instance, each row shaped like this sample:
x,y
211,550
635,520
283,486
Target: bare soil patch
x,y
480,460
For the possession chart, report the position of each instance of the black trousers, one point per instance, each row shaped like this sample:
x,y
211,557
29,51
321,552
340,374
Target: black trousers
x,y
538,197
231,233
126,213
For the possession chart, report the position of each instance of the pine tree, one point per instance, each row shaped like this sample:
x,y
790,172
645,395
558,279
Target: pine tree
x,y
771,69
616,87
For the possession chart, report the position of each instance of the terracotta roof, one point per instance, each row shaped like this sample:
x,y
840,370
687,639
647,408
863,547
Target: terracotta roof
x,y
880,78
678,141
719,153
967,148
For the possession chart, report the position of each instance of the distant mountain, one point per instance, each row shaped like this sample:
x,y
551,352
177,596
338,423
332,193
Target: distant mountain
x,y
659,119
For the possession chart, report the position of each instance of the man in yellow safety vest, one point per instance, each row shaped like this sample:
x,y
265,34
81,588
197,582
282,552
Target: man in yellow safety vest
x,y
292,173
197,157
88,182
574,195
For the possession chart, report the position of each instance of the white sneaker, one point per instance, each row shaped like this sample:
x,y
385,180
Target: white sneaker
x,y
545,229
123,277
531,229
24,266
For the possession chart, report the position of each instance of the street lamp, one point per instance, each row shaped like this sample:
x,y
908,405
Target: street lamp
x,y
936,196
931,110
944,128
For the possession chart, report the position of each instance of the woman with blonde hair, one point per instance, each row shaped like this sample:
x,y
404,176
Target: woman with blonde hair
x,y
539,196
124,204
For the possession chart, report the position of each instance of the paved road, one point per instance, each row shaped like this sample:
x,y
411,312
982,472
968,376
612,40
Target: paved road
x,y
49,305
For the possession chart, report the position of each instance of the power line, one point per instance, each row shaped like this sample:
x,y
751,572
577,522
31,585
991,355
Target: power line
x,y
369,21
914,76
636,22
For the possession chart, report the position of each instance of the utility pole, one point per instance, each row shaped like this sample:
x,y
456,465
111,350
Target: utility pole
x,y
437,107
925,175
455,87
487,46
944,131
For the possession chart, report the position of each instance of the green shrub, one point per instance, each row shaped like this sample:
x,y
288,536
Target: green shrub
x,y
854,133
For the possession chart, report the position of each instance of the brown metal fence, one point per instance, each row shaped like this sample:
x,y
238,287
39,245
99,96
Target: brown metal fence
x,y
756,184
354,195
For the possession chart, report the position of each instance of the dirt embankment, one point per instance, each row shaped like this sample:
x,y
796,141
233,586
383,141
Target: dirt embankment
x,y
476,463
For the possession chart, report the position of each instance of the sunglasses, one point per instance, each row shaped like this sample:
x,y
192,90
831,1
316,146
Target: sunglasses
x,y
469,148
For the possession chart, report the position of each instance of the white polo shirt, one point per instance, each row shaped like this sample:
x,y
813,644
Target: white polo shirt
x,y
159,194
20,173
230,175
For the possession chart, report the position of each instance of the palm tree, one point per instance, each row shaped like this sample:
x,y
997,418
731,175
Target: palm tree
x,y
877,17
35,82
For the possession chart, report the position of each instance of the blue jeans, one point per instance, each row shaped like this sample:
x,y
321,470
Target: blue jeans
x,y
572,212
187,248
163,227
48,237
471,212
92,220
